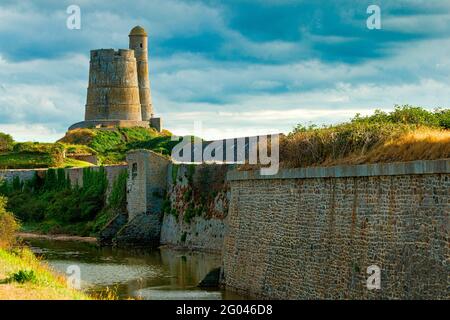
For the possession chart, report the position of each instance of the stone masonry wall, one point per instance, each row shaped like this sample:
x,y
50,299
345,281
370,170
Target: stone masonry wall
x,y
146,186
312,233
195,206
201,233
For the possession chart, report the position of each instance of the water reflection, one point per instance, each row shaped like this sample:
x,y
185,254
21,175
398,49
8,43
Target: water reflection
x,y
135,273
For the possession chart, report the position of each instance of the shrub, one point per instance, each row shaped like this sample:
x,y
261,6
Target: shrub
x,y
58,206
23,276
78,149
54,151
38,147
105,140
78,136
6,142
444,118
118,197
366,139
8,226
409,115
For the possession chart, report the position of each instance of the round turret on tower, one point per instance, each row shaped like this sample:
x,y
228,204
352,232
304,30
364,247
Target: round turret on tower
x,y
138,43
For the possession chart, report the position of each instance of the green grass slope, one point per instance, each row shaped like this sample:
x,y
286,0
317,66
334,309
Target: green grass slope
x,y
112,145
109,145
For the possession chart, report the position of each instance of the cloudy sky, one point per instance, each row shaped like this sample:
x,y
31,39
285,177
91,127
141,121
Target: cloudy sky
x,y
241,67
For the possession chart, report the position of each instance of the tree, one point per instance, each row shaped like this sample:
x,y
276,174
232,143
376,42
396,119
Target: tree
x,y
6,142
8,226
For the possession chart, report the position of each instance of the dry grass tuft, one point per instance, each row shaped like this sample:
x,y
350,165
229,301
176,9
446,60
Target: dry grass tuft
x,y
422,144
360,144
78,136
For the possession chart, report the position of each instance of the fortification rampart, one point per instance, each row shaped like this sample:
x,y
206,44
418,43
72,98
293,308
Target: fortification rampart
x,y
312,233
195,206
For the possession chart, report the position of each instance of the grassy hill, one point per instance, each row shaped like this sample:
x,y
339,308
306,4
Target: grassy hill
x,y
26,155
110,147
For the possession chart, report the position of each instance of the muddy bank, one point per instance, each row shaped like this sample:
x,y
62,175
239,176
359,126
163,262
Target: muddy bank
x,y
56,237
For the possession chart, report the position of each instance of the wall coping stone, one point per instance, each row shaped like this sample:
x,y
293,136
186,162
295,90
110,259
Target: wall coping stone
x,y
343,171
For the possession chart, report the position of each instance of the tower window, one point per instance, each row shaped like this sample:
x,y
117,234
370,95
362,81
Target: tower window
x,y
140,45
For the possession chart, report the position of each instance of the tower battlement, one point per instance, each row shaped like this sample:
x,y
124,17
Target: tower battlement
x,y
112,53
118,93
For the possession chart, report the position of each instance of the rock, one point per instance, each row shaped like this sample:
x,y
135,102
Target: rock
x,y
211,280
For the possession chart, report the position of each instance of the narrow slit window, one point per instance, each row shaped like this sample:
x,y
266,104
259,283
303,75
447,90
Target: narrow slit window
x,y
134,171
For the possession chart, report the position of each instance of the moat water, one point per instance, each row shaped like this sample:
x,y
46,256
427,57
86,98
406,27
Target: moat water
x,y
150,274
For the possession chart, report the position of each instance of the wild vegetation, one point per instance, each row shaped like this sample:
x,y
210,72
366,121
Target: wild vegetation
x,y
8,226
22,275
25,155
194,191
6,142
50,204
405,134
111,146
25,277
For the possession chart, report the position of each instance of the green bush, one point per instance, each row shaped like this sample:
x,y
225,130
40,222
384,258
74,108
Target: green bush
x,y
33,155
408,115
444,118
6,142
117,203
14,160
23,276
38,147
53,199
118,197
106,140
8,226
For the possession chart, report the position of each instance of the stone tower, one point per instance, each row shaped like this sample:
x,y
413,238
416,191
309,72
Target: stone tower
x,y
138,43
118,93
113,92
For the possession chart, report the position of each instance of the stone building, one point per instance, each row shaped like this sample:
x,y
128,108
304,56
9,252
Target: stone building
x,y
118,94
